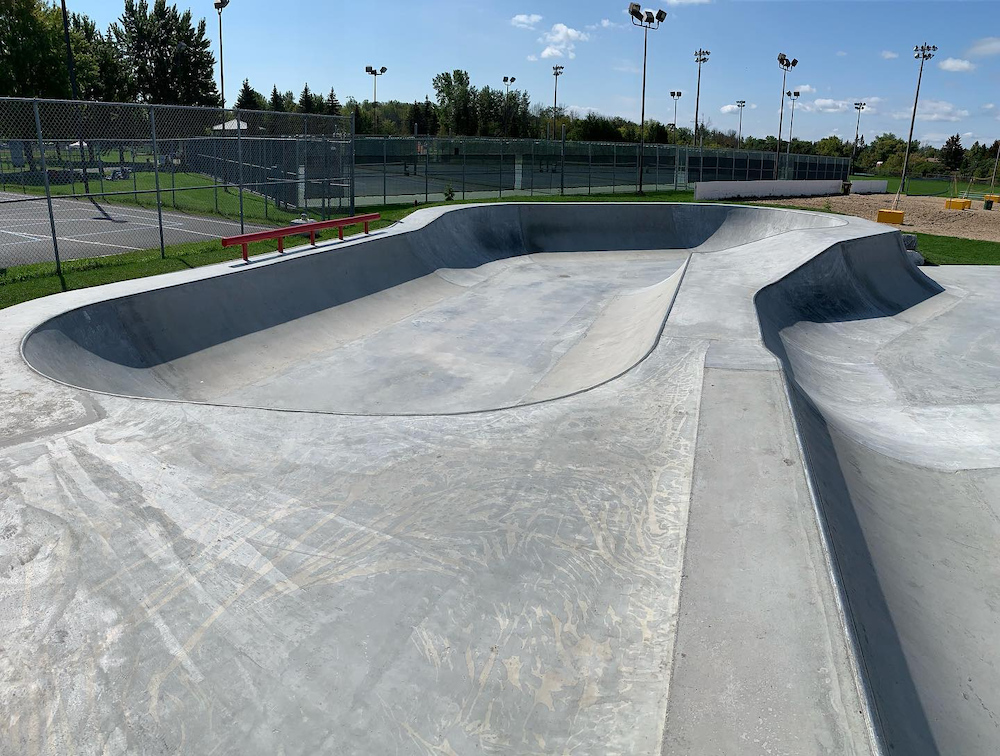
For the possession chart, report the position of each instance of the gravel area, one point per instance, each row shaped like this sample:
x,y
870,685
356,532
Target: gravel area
x,y
923,214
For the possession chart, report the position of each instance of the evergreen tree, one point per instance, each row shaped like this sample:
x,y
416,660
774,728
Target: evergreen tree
x,y
171,56
953,152
277,102
307,103
249,98
332,103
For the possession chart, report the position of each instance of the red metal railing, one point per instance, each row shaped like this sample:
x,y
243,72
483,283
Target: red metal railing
x,y
304,228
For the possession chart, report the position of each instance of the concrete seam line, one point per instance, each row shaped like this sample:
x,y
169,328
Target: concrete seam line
x,y
873,720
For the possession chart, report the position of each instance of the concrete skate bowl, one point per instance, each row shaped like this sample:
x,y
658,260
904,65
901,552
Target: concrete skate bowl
x,y
907,482
463,310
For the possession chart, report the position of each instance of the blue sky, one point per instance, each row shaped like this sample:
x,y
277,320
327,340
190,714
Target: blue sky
x,y
847,51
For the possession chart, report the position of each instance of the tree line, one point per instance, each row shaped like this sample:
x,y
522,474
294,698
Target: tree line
x,y
159,54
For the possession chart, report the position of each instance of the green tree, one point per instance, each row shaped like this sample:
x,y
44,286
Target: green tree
x,y
249,98
307,103
332,105
455,98
953,152
32,55
277,102
170,56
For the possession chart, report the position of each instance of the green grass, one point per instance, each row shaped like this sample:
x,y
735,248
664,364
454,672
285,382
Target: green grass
x,y
948,250
25,282
917,186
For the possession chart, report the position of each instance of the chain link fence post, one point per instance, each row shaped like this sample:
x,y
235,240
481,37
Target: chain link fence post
x,y
385,170
463,142
156,178
239,161
48,191
562,163
353,153
427,169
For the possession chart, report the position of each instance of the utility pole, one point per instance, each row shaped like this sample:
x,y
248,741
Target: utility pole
x,y
923,53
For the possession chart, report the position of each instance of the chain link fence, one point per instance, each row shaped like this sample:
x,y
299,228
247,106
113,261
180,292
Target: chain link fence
x,y
400,169
87,179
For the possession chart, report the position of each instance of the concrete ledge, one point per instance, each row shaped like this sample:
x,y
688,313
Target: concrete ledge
x,y
869,187
717,190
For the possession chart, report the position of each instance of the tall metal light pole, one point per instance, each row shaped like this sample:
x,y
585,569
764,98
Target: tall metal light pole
x,y
645,20
858,106
71,64
739,140
923,53
676,96
700,56
786,64
793,96
375,72
556,73
219,5
507,81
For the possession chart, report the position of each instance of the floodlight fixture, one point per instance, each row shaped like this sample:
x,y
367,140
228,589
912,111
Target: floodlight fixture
x,y
700,56
739,139
646,20
923,53
557,71
507,81
786,64
375,73
220,4
858,106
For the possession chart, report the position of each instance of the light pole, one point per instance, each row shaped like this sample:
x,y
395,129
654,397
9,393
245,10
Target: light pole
x,y
739,140
793,96
556,73
645,20
219,5
676,96
507,81
786,64
923,53
375,72
858,106
700,56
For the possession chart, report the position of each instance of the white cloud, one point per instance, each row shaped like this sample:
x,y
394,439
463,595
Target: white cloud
x,y
841,54
727,109
805,88
956,65
605,23
582,110
688,2
525,20
532,58
889,54
985,47
934,110
561,41
989,106
626,66
827,105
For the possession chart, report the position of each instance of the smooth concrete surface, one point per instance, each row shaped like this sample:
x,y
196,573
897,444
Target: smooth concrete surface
x,y
720,490
869,186
720,190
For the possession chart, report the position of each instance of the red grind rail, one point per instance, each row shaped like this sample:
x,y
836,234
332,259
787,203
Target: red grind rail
x,y
304,228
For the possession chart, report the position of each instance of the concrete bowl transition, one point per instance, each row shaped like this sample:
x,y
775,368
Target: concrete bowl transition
x,y
511,478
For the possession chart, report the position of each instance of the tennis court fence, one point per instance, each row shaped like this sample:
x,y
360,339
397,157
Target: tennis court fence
x,y
87,179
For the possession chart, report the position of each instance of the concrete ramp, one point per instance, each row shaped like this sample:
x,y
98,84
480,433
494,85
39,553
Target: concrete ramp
x,y
907,476
486,308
